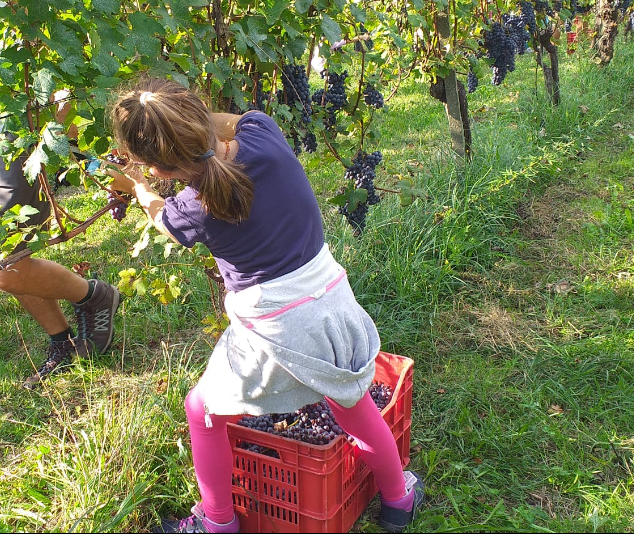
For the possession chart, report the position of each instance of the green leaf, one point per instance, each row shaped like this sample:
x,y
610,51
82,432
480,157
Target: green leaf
x,y
106,6
296,47
105,63
220,69
25,213
144,43
406,199
358,13
73,65
408,193
331,29
55,140
274,12
301,6
33,164
44,83
106,82
140,286
14,103
66,43
127,278
200,249
356,197
141,244
71,175
338,200
258,29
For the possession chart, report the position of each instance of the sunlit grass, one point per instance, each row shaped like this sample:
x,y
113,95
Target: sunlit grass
x,y
509,282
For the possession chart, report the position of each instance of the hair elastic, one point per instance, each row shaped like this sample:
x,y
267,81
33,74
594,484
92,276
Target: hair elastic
x,y
144,96
209,154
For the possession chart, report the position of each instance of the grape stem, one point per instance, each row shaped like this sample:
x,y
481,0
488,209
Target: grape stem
x,y
386,190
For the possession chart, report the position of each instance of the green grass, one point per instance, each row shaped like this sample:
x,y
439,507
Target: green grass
x,y
510,284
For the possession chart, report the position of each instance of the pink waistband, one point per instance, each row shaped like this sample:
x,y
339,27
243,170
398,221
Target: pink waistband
x,y
303,300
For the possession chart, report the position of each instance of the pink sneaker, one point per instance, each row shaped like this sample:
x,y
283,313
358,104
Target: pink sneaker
x,y
197,522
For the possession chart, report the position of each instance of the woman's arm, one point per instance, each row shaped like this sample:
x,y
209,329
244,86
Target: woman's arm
x,y
137,184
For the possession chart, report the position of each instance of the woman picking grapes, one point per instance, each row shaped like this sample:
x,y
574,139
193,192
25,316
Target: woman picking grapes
x,y
297,334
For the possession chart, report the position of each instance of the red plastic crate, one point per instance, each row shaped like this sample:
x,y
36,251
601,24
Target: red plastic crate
x,y
315,488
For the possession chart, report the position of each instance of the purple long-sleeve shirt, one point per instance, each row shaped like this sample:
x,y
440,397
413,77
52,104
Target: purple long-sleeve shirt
x,y
284,230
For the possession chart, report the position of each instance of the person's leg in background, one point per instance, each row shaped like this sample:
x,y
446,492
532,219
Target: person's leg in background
x,y
39,285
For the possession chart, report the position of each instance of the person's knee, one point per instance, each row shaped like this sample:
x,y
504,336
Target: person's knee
x,y
14,278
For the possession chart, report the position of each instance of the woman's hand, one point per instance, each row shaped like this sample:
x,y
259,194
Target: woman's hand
x,y
121,181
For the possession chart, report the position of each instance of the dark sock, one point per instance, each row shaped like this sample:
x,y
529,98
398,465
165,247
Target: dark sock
x,y
63,336
91,289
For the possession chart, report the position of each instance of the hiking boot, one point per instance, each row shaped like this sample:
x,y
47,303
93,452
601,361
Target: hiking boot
x,y
59,354
395,519
95,319
197,522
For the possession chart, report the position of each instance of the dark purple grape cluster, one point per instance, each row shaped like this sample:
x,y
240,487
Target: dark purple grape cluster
x,y
472,82
309,142
305,141
516,29
362,173
333,98
313,423
381,394
373,98
527,13
319,99
540,5
356,218
296,142
297,90
118,207
259,97
116,159
336,92
500,47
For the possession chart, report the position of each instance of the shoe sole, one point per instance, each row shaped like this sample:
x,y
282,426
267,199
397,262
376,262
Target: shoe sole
x,y
31,385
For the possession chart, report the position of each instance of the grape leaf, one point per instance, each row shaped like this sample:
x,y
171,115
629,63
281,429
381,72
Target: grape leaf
x,y
331,29
302,6
106,6
55,140
33,164
44,83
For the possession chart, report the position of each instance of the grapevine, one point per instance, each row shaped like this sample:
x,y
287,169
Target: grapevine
x,y
117,201
361,173
373,98
472,81
297,90
501,48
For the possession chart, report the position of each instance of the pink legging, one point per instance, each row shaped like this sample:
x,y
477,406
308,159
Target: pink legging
x,y
213,457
